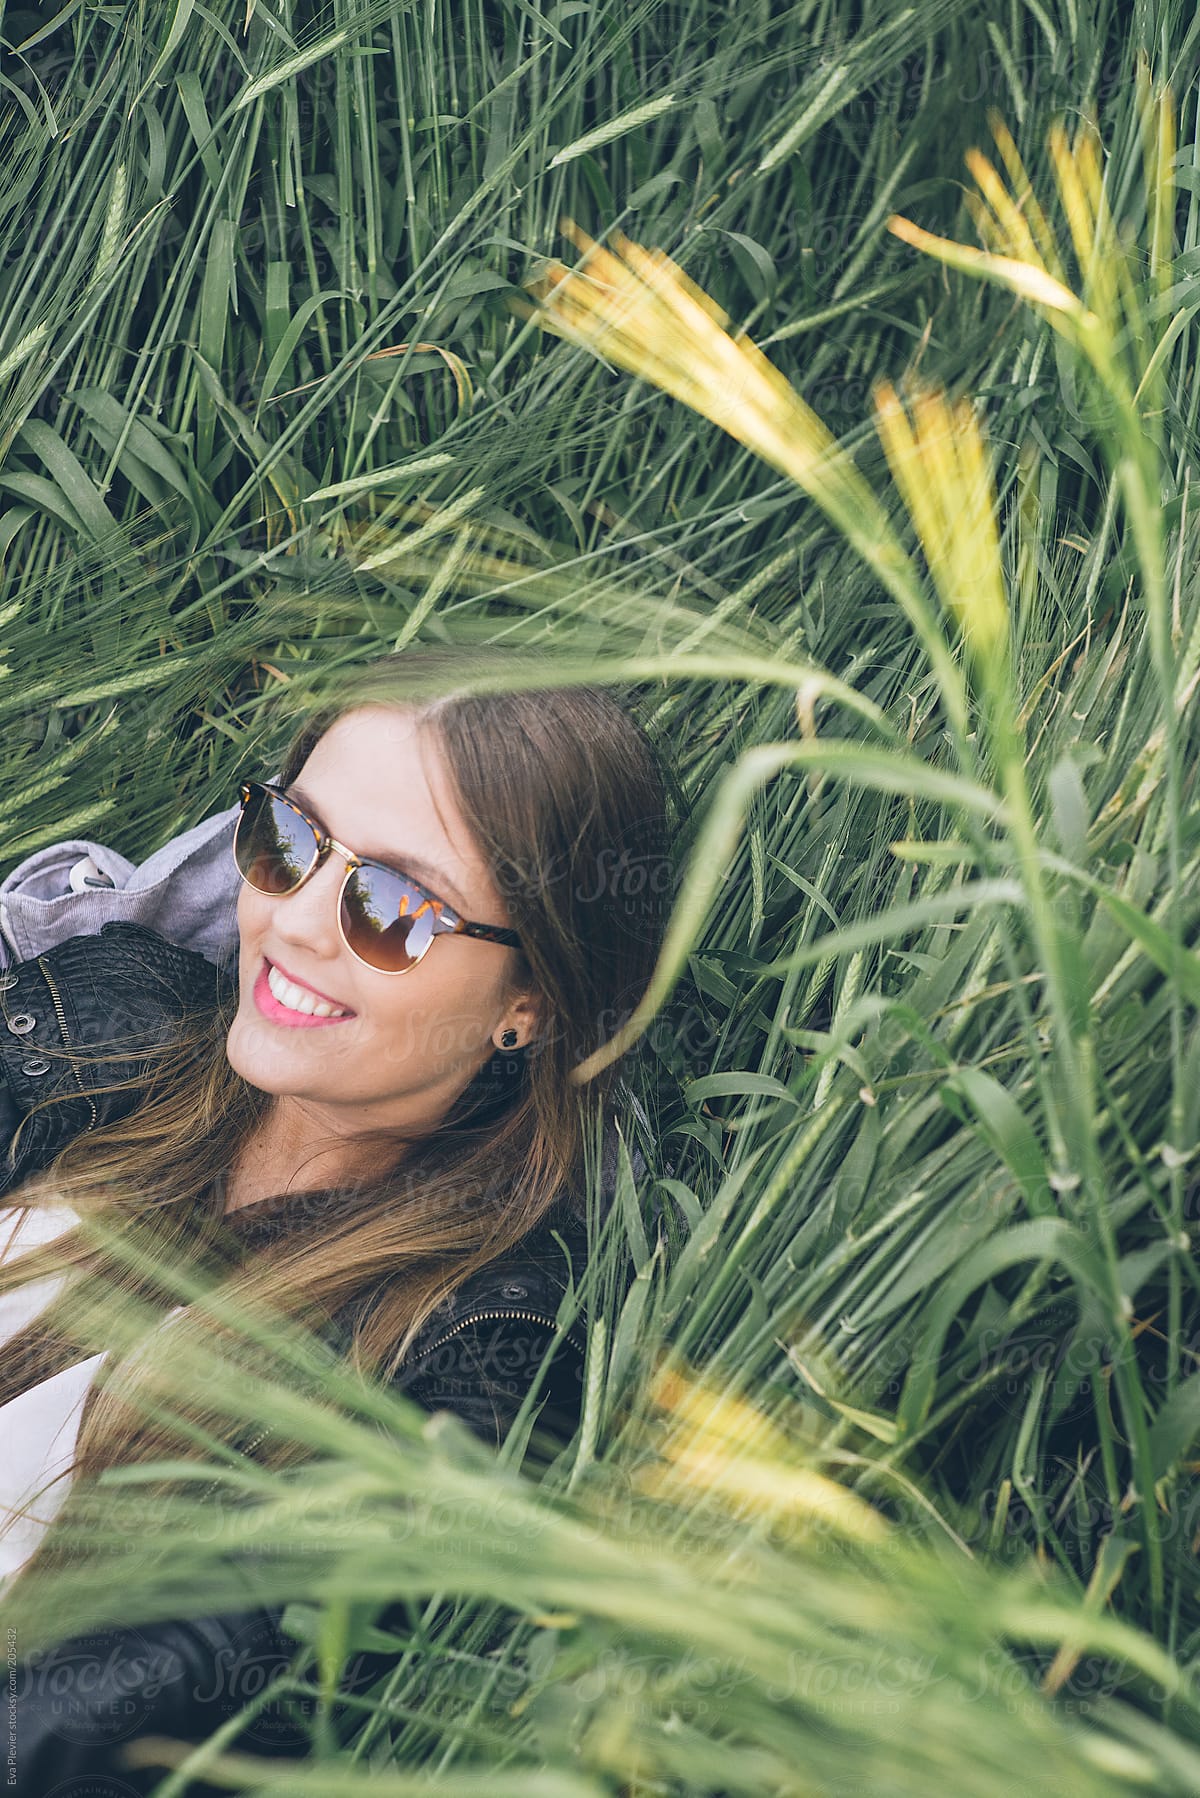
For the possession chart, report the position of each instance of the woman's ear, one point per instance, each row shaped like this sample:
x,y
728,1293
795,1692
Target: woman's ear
x,y
524,1014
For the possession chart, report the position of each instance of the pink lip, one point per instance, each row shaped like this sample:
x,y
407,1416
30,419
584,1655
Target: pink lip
x,y
270,1007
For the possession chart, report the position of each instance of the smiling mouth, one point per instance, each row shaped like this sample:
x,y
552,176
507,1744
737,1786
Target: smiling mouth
x,y
286,1001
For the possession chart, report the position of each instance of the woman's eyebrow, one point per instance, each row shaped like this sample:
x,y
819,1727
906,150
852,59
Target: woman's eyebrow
x,y
416,865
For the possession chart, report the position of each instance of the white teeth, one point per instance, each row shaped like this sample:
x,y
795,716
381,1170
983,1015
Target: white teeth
x,y
296,999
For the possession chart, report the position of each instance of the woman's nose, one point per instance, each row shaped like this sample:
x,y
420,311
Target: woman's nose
x,y
309,915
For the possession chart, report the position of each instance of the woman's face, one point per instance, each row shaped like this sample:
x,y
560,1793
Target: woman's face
x,y
410,1042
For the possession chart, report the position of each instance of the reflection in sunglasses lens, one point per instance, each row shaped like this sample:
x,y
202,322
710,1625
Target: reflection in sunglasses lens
x,y
385,921
274,847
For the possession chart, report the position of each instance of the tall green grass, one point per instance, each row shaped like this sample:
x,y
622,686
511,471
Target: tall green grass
x,y
925,1077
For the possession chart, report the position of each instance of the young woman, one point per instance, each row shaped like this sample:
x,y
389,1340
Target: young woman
x,y
369,1123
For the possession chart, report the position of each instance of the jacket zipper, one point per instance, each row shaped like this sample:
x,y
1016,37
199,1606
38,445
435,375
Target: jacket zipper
x,y
252,1444
66,1036
473,1317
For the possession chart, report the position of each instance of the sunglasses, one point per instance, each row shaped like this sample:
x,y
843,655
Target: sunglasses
x,y
387,920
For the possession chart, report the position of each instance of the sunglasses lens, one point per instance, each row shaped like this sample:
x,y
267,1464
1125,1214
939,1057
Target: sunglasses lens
x,y
386,921
272,847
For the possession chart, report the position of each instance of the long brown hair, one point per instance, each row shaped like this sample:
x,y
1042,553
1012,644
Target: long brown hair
x,y
566,796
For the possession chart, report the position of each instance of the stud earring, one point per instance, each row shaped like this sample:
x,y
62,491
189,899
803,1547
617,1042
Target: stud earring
x,y
509,1040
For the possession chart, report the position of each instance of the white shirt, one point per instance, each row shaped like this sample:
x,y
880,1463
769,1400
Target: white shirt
x,y
38,1428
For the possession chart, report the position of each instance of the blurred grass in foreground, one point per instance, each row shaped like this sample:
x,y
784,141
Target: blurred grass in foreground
x,y
713,1613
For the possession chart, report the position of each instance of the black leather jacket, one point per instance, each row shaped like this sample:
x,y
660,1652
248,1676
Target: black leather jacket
x,y
99,998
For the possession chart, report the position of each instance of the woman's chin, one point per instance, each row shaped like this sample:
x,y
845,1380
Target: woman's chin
x,y
260,1063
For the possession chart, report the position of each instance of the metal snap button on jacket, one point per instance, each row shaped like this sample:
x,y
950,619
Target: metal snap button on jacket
x,y
22,1024
35,1067
512,1289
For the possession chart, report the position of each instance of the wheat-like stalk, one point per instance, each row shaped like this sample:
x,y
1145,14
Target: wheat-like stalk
x,y
638,309
936,454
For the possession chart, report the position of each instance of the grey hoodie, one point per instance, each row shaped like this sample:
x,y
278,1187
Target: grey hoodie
x,y
186,891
